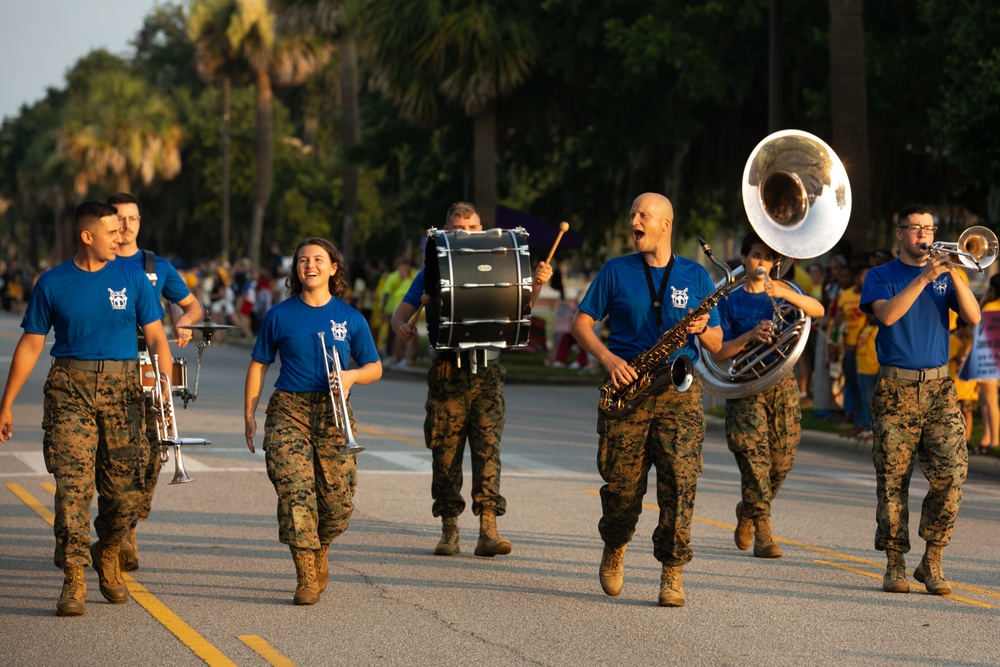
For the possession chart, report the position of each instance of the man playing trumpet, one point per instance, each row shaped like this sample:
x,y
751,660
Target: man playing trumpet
x,y
915,413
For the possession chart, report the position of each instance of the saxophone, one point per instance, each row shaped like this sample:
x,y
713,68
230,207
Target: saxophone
x,y
651,365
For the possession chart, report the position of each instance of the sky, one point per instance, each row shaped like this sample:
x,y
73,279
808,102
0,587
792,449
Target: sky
x,y
41,39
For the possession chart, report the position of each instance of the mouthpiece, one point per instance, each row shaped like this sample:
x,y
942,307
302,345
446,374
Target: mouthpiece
x,y
761,271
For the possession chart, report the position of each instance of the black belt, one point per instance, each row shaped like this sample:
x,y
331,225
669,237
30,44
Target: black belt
x,y
915,375
97,365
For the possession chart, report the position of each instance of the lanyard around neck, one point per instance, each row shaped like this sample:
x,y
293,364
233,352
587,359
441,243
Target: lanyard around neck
x,y
654,296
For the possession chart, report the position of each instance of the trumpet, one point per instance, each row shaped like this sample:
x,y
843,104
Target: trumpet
x,y
976,248
341,418
166,425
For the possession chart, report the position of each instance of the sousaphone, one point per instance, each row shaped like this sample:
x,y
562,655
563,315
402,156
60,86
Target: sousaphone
x,y
798,199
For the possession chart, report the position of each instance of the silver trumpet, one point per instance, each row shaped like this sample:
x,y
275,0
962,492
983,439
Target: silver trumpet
x,y
976,248
166,425
341,418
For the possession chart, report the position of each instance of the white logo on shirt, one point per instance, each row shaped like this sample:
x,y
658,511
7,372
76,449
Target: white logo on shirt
x,y
679,297
941,285
118,299
339,330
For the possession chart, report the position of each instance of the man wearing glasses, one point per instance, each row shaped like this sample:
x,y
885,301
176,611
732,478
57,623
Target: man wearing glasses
x,y
168,285
915,411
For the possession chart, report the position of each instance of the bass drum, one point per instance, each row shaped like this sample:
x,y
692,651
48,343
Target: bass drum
x,y
479,284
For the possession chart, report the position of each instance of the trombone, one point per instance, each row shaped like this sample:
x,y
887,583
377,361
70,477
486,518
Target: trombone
x,y
166,424
341,418
976,248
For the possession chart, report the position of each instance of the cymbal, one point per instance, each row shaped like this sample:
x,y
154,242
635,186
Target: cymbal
x,y
206,326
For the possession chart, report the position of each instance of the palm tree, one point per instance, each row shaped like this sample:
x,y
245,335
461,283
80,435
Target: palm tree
x,y
243,31
340,18
462,52
120,135
849,109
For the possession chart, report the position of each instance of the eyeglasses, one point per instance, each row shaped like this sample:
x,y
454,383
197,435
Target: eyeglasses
x,y
130,221
914,229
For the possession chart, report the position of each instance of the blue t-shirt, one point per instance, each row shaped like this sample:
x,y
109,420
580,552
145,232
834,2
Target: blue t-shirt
x,y
169,283
93,313
740,311
920,338
291,330
620,290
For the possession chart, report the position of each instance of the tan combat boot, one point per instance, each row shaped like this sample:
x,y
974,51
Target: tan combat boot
x,y
744,529
105,561
490,543
671,590
322,567
894,579
128,555
612,569
74,592
764,545
307,590
448,545
929,572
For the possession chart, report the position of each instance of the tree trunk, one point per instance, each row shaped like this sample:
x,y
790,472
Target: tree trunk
x,y
849,111
225,171
774,88
265,165
484,159
350,111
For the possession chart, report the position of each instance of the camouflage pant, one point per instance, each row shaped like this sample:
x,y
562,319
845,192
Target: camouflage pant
x,y
463,406
763,432
665,431
314,483
917,420
93,439
153,465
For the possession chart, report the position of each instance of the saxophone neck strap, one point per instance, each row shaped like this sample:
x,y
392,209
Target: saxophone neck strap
x,y
654,296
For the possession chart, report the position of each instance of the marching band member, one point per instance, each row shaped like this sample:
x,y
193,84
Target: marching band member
x,y
915,413
763,429
93,398
668,428
167,284
463,405
315,484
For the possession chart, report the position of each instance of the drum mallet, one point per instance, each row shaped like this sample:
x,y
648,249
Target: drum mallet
x,y
424,298
563,228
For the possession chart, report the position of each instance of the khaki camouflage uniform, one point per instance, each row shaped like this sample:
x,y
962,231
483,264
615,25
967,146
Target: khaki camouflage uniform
x,y
463,405
666,431
917,420
315,485
153,465
763,432
93,439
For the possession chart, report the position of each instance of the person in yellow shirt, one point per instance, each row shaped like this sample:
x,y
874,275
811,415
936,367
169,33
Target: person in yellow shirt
x,y
968,390
989,400
854,320
867,374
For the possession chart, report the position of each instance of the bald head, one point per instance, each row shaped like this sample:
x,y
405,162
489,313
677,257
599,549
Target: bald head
x,y
655,204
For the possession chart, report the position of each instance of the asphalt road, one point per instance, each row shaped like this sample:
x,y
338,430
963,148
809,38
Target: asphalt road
x,y
215,585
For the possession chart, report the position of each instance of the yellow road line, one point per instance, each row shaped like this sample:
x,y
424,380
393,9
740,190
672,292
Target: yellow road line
x,y
391,436
837,554
266,651
974,603
168,619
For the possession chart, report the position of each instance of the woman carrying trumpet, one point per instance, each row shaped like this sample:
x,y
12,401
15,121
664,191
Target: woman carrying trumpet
x,y
762,429
314,480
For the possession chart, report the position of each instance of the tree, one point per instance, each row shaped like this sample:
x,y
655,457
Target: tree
x,y
462,52
849,110
120,135
243,31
